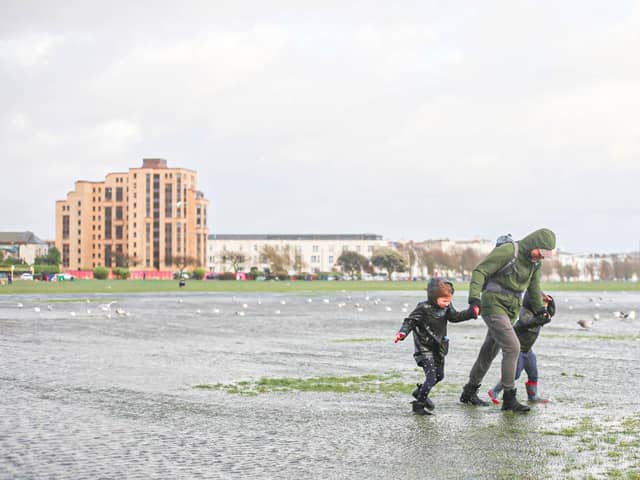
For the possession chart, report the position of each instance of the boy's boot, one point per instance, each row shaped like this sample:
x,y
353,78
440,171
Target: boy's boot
x,y
532,393
418,408
509,402
426,400
470,396
494,393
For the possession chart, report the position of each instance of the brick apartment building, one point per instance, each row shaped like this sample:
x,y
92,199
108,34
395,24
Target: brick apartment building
x,y
146,219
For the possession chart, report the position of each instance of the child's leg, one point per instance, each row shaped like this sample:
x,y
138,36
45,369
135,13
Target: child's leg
x,y
494,393
521,364
428,364
531,367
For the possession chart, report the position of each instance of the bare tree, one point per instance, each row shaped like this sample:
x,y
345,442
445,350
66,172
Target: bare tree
x,y
236,259
183,261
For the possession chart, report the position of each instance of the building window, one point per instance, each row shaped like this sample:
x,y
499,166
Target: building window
x,y
331,259
108,194
107,222
107,255
168,200
118,213
168,259
118,232
370,249
118,194
65,227
65,255
316,249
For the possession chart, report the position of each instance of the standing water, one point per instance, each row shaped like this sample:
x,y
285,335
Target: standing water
x,y
301,386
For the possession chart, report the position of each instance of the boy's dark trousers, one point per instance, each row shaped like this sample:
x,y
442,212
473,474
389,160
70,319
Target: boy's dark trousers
x,y
433,366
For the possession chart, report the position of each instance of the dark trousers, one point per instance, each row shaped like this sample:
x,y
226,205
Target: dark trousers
x,y
527,361
433,366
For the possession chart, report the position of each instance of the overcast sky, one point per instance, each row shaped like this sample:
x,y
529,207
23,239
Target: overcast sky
x,y
412,120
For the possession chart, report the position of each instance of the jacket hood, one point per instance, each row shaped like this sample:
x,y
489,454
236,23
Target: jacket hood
x,y
543,238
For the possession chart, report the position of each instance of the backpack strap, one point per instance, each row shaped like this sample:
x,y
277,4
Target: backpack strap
x,y
509,267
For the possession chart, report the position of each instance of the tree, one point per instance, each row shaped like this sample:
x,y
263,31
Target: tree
x,y
389,260
280,262
352,262
51,258
426,260
183,261
408,252
469,259
606,270
236,259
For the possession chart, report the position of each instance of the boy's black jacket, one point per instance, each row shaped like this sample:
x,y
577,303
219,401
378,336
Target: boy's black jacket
x,y
435,318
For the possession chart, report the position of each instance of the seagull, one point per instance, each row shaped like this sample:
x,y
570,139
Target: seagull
x,y
584,323
283,302
19,305
360,309
216,310
570,307
309,300
325,300
596,316
36,309
198,311
404,310
73,314
120,311
277,312
49,307
631,315
388,309
240,313
244,305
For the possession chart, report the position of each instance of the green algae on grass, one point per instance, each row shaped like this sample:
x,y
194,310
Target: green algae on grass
x,y
386,383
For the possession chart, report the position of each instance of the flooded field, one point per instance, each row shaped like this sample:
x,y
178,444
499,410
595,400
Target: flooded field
x,y
206,385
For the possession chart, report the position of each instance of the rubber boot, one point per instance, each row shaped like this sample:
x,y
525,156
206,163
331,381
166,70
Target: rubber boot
x,y
509,402
494,393
418,408
470,396
532,393
426,400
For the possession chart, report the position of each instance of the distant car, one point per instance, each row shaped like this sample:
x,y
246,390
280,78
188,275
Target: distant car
x,y
26,276
68,276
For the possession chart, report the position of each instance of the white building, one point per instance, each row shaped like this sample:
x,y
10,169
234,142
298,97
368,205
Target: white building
x,y
315,252
22,245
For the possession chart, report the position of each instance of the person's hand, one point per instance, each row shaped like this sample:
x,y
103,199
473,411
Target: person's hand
x,y
475,311
399,337
542,318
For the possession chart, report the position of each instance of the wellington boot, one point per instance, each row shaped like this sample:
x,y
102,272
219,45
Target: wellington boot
x,y
532,393
509,402
418,408
470,396
426,400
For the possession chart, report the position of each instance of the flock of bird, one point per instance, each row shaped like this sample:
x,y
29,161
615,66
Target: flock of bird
x,y
588,323
108,309
105,308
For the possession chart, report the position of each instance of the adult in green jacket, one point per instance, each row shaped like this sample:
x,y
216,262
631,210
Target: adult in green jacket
x,y
496,289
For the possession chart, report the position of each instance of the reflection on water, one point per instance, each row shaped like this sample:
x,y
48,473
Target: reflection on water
x,y
107,393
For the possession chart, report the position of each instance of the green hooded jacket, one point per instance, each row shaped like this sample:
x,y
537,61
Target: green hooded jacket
x,y
526,276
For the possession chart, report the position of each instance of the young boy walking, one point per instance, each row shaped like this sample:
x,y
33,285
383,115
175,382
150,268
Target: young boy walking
x,y
527,329
428,322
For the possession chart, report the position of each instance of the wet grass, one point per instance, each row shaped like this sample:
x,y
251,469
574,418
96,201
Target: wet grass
x,y
616,440
387,383
140,286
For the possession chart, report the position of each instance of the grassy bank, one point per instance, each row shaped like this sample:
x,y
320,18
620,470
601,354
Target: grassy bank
x,y
141,286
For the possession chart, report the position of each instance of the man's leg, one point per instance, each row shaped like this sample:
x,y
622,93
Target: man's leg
x,y
487,353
